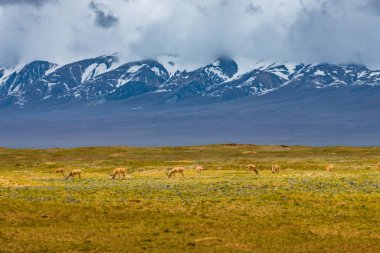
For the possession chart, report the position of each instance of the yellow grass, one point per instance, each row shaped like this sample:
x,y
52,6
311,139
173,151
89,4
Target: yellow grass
x,y
301,209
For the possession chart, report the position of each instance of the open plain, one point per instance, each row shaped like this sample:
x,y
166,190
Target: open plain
x,y
223,208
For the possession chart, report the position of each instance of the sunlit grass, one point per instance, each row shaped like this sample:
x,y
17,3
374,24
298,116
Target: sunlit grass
x,y
224,209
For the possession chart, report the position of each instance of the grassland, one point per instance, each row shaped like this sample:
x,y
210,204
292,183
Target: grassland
x,y
225,209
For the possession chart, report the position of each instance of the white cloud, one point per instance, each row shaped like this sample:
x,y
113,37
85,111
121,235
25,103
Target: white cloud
x,y
198,30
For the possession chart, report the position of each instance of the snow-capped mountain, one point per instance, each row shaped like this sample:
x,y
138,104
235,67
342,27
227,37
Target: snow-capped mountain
x,y
105,78
60,83
189,84
129,80
255,82
22,84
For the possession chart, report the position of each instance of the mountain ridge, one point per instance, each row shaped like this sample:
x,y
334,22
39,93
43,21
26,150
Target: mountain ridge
x,y
105,78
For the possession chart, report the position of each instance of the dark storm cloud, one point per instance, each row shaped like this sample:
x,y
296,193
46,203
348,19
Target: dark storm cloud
x,y
374,5
102,19
252,8
225,3
31,2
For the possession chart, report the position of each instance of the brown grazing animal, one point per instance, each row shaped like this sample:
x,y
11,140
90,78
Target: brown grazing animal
x,y
172,171
119,172
329,167
253,168
60,171
73,173
199,169
275,169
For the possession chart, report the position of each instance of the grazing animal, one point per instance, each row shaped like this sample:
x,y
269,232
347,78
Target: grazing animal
x,y
378,166
172,171
119,173
60,171
73,173
253,168
199,168
329,167
275,169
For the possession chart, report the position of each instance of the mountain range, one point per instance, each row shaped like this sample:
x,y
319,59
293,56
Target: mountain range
x,y
105,78
103,101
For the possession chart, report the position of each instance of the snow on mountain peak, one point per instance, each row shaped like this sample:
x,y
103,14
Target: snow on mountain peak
x,y
106,78
94,70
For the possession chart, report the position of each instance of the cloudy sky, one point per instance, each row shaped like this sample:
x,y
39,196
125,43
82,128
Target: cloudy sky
x,y
337,31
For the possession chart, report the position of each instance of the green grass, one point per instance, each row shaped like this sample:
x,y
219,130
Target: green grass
x,y
302,209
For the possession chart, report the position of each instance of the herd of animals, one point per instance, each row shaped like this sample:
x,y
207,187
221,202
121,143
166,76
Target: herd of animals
x,y
119,173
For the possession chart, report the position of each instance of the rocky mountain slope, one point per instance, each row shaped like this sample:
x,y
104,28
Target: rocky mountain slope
x,y
105,78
